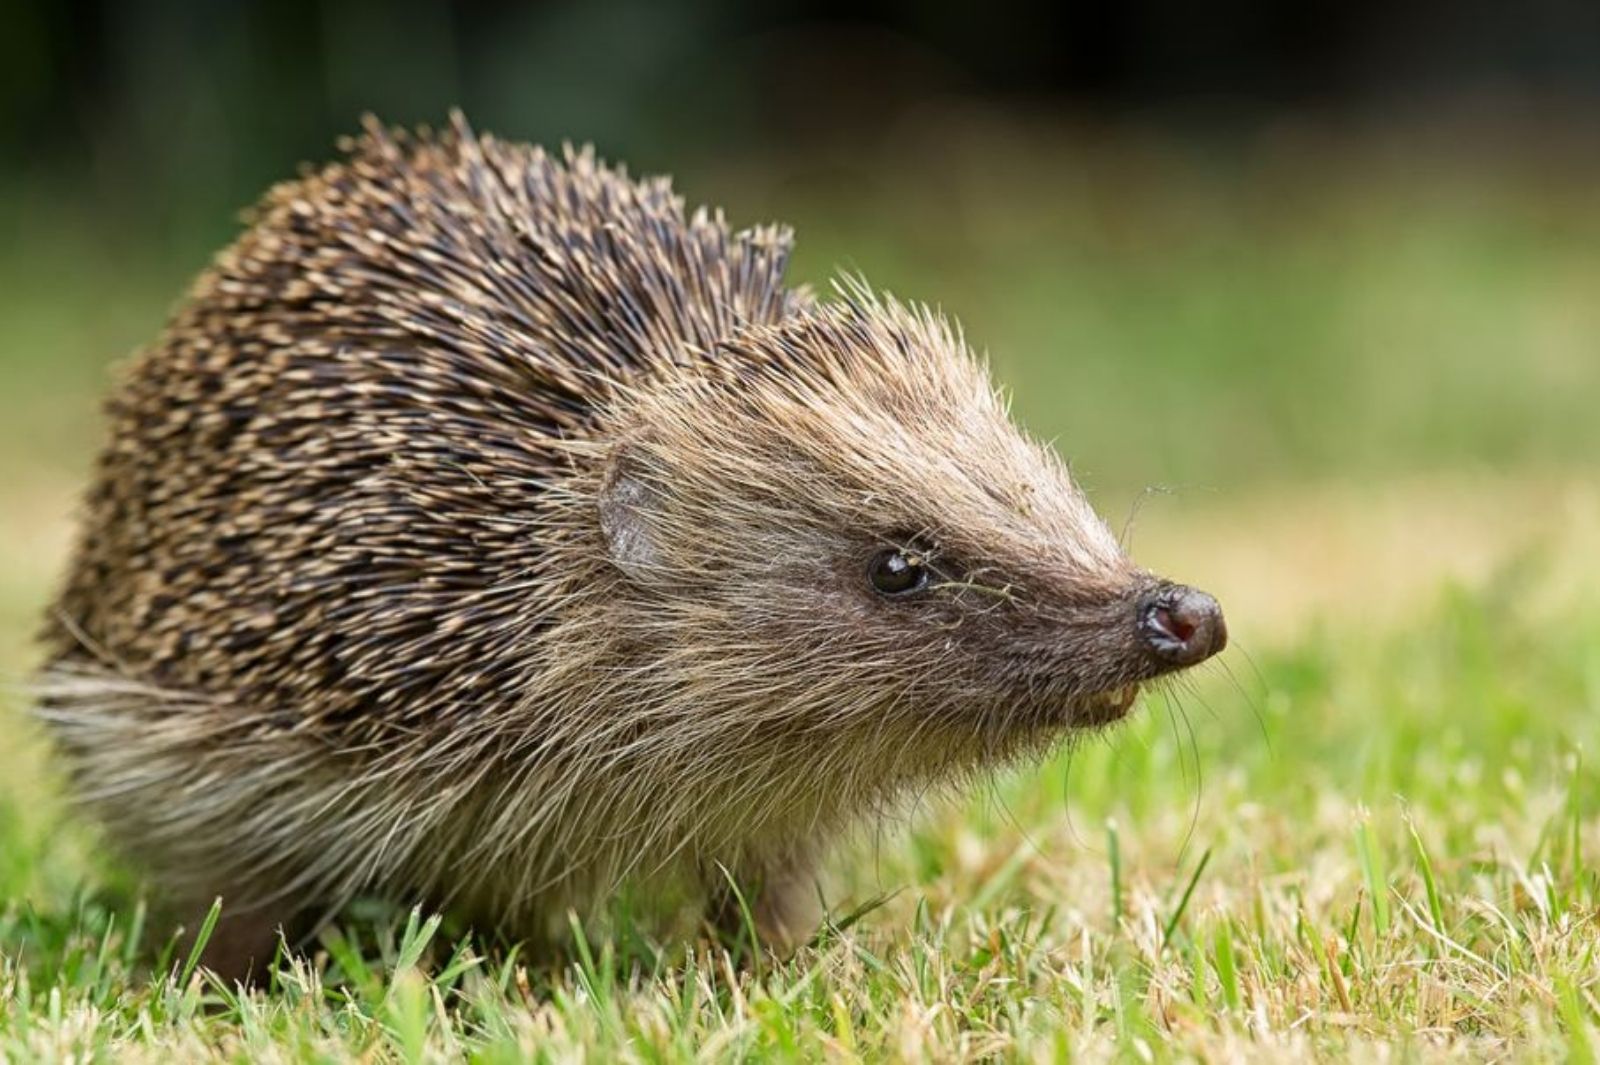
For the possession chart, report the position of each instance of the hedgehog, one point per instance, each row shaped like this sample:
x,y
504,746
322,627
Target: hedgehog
x,y
488,533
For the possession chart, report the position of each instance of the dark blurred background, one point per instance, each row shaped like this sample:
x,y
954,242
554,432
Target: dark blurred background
x,y
171,98
1207,244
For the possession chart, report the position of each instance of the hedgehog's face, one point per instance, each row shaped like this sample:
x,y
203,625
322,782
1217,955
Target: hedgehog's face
x,y
852,530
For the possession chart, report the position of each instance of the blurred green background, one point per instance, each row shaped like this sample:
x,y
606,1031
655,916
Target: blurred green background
x,y
1296,269
1326,278
1205,249
1327,275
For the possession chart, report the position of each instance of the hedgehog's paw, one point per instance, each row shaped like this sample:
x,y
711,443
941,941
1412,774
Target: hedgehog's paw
x,y
780,898
243,943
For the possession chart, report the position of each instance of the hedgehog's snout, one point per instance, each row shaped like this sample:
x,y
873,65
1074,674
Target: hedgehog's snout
x,y
1181,625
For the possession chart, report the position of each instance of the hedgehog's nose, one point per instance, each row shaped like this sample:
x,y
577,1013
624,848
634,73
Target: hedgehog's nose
x,y
1182,626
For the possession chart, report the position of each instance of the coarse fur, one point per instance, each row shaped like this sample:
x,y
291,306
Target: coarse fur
x,y
485,532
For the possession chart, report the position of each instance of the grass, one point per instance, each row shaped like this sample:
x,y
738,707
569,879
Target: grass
x,y
1368,843
1376,834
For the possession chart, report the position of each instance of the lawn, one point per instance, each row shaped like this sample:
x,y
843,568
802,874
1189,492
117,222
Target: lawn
x,y
1371,829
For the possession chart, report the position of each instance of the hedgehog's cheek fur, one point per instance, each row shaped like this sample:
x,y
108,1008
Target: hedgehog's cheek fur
x,y
1082,675
1038,638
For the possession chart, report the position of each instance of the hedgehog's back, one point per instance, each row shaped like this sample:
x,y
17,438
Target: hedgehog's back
x,y
341,444
322,525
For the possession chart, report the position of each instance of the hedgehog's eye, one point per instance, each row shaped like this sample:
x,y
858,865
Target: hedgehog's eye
x,y
898,572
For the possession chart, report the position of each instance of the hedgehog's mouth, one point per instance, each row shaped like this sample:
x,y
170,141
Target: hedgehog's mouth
x,y
1102,708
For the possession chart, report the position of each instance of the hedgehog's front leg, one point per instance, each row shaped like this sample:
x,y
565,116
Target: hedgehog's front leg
x,y
243,943
781,893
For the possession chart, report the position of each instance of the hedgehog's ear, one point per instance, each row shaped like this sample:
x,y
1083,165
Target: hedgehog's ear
x,y
628,507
